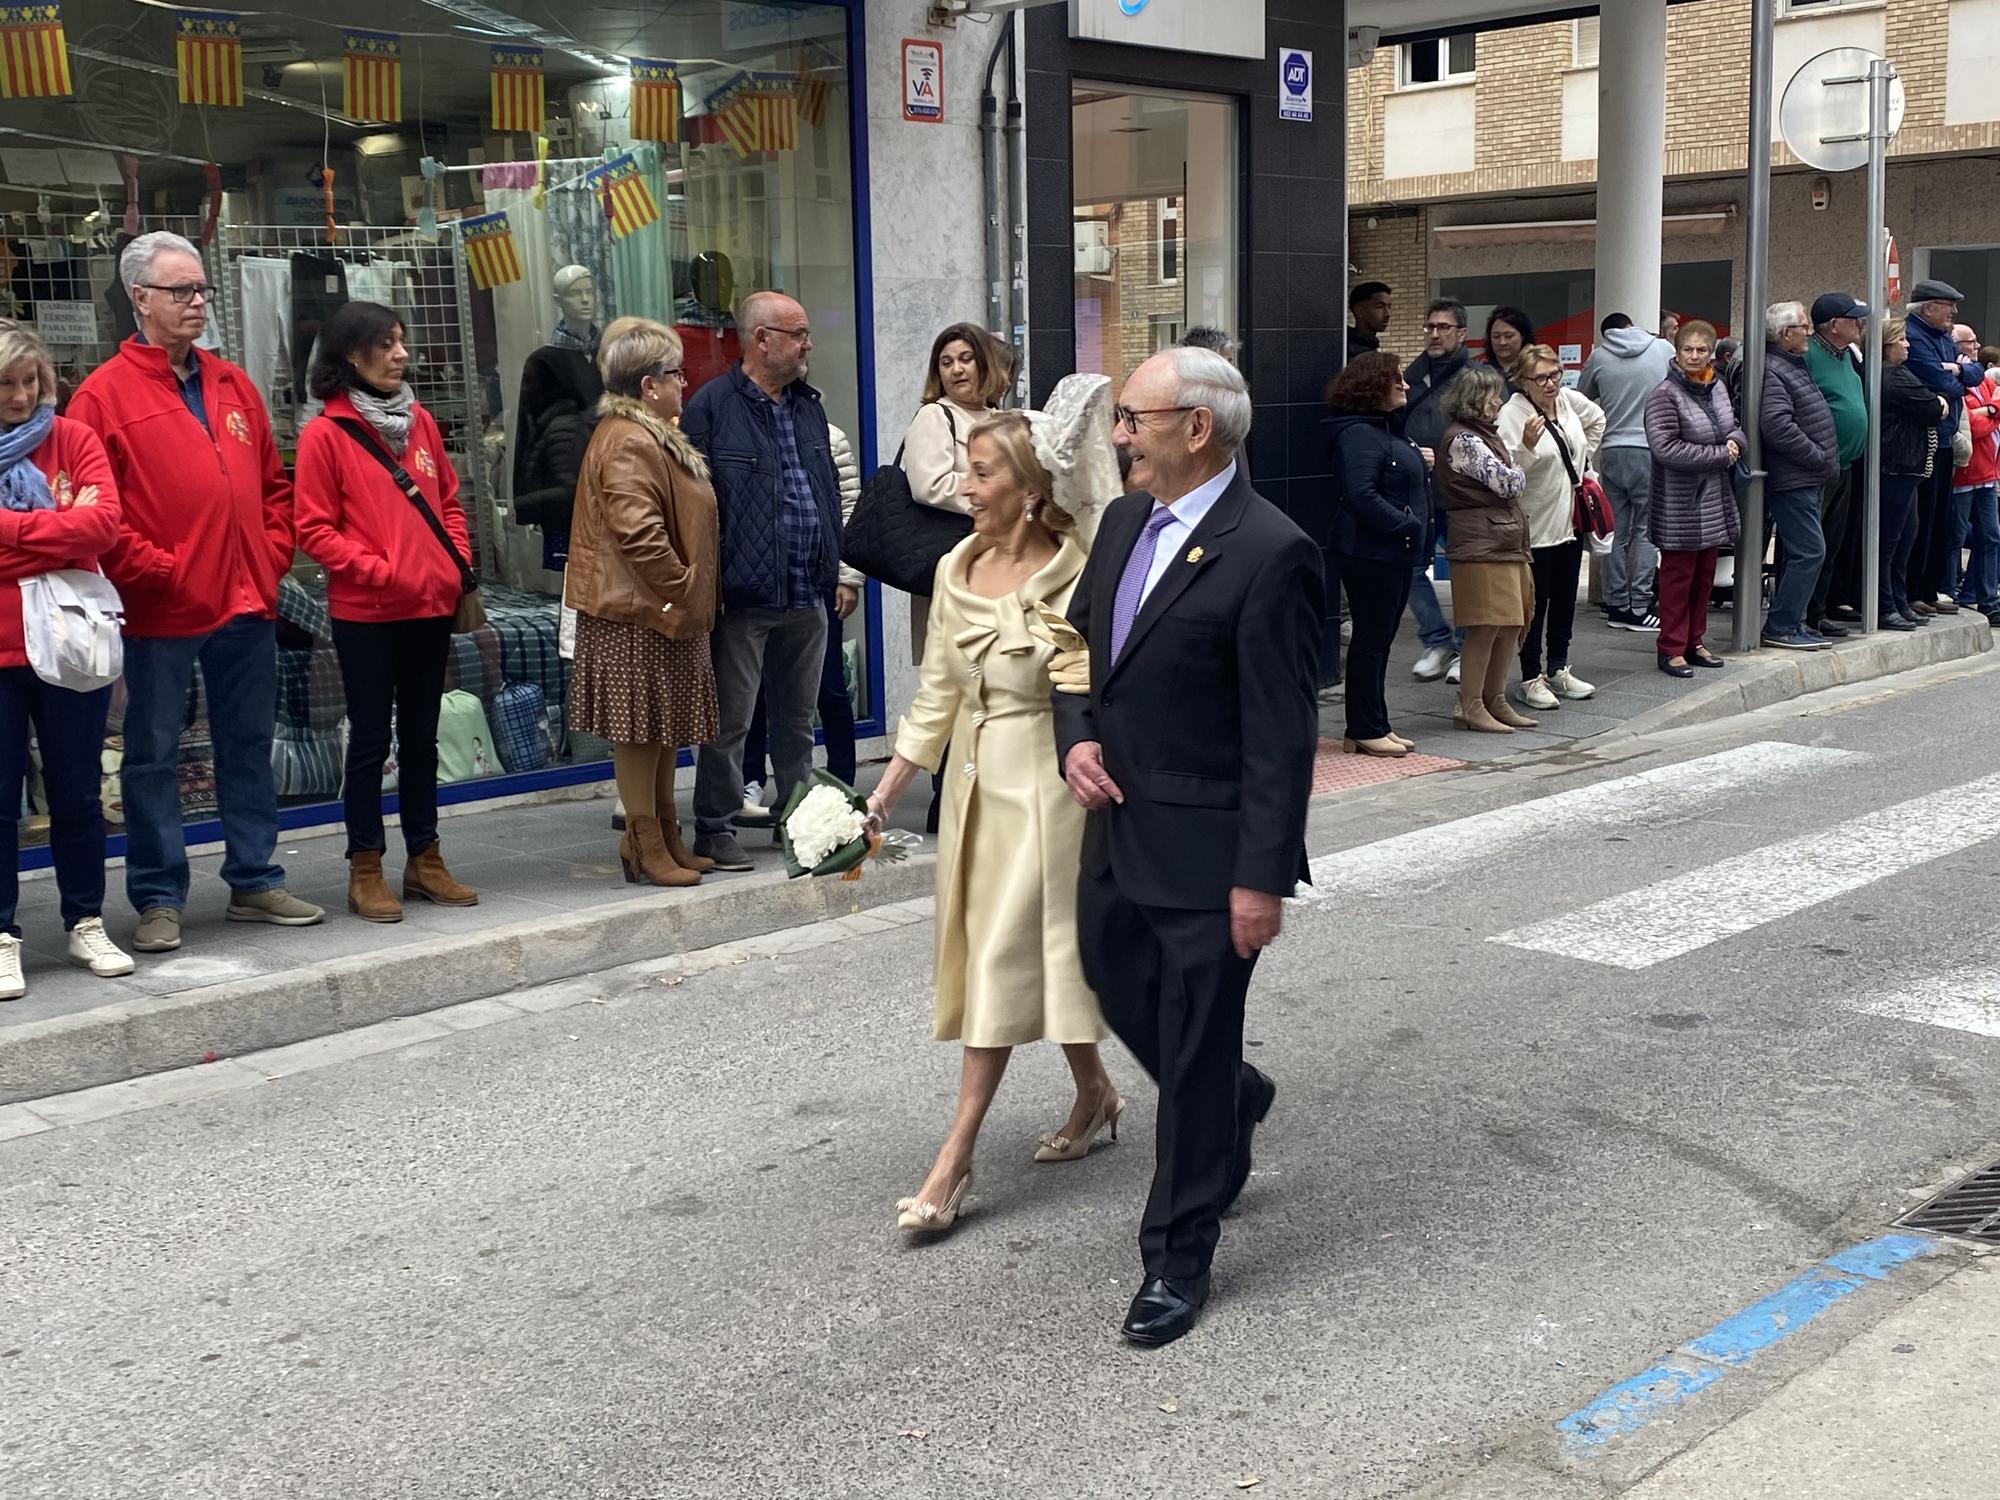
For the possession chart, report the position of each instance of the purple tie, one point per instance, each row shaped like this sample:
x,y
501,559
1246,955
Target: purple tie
x,y
1132,584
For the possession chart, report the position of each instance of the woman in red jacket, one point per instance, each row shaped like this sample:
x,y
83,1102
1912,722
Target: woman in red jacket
x,y
392,587
58,509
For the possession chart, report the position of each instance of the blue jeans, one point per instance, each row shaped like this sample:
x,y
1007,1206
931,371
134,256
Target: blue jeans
x,y
239,671
1898,541
69,729
1979,588
1432,628
1801,551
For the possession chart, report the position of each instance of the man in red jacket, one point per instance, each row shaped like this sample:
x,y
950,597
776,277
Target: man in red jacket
x,y
205,535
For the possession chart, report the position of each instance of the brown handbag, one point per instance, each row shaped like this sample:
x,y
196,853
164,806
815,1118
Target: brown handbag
x,y
471,612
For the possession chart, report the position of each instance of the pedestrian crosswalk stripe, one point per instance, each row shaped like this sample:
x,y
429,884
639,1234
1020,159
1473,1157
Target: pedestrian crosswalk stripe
x,y
1963,1000
1637,929
1645,799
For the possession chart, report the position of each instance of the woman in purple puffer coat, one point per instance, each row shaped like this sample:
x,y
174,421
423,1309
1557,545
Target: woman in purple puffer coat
x,y
1695,441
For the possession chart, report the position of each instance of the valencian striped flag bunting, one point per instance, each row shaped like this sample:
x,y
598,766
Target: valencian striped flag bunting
x,y
656,100
34,57
208,54
373,77
628,203
517,88
812,90
758,112
489,251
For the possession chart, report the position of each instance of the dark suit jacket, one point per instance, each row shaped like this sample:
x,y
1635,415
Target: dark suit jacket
x,y
1208,719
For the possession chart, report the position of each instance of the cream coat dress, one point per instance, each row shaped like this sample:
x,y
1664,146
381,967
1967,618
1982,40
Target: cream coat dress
x,y
1009,969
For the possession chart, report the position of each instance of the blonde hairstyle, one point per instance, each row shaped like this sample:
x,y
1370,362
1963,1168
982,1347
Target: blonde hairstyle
x,y
645,348
1010,433
1532,355
617,328
1691,327
1892,329
20,344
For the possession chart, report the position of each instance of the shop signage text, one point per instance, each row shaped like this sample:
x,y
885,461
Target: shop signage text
x,y
923,82
66,322
1295,85
1223,28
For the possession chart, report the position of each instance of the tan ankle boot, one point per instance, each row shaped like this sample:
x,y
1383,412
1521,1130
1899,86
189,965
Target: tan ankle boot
x,y
1477,718
1509,715
670,828
368,894
653,861
426,879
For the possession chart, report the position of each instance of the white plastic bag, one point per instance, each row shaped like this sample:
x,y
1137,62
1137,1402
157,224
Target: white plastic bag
x,y
566,625
71,620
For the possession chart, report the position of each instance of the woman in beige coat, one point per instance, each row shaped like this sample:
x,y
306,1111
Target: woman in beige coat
x,y
1008,966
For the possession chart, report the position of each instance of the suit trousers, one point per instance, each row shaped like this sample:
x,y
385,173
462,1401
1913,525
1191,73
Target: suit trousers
x,y
1172,988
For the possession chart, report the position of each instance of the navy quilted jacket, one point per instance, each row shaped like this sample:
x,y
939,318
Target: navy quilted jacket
x,y
1801,448
732,423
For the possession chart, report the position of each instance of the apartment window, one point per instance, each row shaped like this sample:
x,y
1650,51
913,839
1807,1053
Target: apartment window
x,y
1811,7
1583,42
1170,241
1440,60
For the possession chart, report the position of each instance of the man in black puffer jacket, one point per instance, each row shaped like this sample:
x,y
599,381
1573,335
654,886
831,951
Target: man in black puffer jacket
x,y
1801,453
770,456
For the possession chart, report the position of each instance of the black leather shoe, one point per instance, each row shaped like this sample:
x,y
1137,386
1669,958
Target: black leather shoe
x,y
1251,1111
1164,1310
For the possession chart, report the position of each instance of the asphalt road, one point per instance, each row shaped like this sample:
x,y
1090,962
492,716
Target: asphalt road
x,y
646,1248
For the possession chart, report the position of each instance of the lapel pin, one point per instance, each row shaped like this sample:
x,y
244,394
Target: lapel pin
x,y
1195,555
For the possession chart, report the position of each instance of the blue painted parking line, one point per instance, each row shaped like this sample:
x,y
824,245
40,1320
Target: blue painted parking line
x,y
1736,1340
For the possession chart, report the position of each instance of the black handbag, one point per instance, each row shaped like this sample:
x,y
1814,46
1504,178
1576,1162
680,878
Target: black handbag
x,y
896,539
471,611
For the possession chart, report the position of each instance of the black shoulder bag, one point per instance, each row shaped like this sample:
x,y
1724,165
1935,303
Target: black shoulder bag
x,y
471,611
895,538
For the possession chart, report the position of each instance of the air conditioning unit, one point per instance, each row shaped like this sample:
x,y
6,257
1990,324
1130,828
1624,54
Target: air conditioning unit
x,y
1092,239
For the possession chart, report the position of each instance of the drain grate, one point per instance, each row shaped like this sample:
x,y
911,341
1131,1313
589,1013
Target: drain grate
x,y
1969,1209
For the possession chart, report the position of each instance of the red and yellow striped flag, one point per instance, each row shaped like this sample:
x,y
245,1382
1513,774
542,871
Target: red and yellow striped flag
x,y
372,77
517,88
208,54
778,103
656,100
812,95
735,116
489,251
758,112
628,203
34,57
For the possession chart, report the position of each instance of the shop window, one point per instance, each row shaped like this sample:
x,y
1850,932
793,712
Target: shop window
x,y
1448,59
676,190
1583,42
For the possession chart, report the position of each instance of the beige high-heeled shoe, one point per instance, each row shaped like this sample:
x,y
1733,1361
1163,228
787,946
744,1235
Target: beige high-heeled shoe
x,y
928,1218
1062,1148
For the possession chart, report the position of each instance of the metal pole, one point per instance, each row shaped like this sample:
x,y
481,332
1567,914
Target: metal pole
x,y
1336,108
1746,626
1016,265
1878,293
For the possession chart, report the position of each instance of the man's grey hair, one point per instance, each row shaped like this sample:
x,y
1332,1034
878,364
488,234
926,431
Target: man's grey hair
x,y
758,309
135,266
1207,379
1780,316
1211,338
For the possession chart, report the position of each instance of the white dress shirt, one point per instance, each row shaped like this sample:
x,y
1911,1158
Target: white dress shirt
x,y
1187,512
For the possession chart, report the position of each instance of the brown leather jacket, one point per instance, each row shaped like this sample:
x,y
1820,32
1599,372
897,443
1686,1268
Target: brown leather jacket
x,y
645,543
1481,524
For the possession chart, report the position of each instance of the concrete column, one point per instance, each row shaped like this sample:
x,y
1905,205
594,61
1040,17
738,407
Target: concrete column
x,y
1631,157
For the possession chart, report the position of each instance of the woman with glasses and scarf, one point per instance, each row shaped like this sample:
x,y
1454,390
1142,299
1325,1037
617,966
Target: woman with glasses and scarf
x,y
392,586
1552,434
58,509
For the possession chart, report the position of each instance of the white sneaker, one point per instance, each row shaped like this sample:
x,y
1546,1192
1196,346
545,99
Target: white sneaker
x,y
12,985
1431,665
1451,672
1568,685
754,811
1535,693
91,946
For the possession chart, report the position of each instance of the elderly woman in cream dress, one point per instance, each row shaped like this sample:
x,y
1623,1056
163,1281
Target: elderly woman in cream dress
x,y
1008,966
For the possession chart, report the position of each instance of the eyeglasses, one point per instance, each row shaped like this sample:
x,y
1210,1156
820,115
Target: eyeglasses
x,y
801,334
1130,415
676,372
1550,377
183,293
1444,328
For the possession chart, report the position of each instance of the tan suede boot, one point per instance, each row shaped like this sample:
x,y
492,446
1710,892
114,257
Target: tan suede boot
x,y
1509,715
653,863
368,894
670,828
426,879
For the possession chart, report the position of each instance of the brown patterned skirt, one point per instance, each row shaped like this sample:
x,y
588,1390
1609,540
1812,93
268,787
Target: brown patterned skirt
x,y
634,686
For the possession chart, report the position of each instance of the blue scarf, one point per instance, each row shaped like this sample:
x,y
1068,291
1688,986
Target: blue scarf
x,y
22,485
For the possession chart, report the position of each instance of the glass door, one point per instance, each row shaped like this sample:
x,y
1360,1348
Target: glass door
x,y
1155,222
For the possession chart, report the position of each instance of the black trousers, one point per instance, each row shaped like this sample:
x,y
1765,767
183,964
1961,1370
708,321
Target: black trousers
x,y
1840,496
1934,532
395,667
1376,594
1172,988
1555,569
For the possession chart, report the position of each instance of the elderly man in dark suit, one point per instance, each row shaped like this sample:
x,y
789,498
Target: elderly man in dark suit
x,y
1193,751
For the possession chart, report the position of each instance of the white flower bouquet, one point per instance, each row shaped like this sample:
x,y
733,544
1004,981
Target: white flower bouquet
x,y
824,831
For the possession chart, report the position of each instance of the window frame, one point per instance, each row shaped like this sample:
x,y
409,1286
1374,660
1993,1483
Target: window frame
x,y
1576,58
1168,210
1446,77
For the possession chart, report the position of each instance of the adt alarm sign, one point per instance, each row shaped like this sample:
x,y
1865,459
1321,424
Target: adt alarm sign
x,y
1295,86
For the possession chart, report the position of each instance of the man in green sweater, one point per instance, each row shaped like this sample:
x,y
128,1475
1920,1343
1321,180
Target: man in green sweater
x,y
1836,370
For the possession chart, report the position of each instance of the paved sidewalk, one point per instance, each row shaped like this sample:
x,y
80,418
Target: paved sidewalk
x,y
1904,1412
